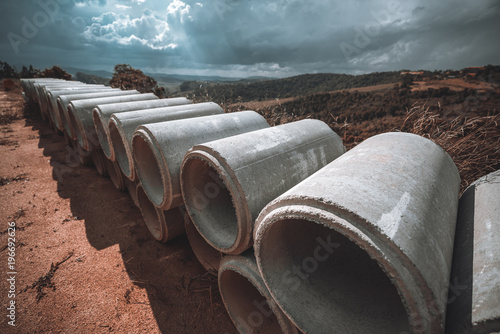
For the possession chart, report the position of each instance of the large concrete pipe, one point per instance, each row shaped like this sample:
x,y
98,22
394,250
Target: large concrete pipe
x,y
132,189
208,256
163,225
474,294
123,125
102,113
365,244
64,100
52,96
41,97
159,148
29,88
115,174
255,168
80,114
247,300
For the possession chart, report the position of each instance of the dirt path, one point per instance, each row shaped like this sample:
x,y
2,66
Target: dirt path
x,y
84,260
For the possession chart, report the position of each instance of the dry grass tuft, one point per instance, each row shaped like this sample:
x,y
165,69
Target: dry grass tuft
x,y
473,143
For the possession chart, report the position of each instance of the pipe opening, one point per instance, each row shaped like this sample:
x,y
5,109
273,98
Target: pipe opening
x,y
306,263
119,149
210,203
150,215
148,169
101,133
248,308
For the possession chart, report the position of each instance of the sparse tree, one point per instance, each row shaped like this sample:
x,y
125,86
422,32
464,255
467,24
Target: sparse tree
x,y
127,77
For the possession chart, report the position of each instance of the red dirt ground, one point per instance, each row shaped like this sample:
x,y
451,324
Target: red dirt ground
x,y
84,259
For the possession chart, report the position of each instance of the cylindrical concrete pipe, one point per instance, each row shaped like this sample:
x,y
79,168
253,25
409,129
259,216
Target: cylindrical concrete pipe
x,y
41,97
102,113
159,148
54,94
255,168
163,225
29,86
365,244
80,115
98,159
474,294
208,256
64,100
247,300
115,174
123,125
85,157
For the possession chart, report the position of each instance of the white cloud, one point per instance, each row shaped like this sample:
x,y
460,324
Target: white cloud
x,y
122,6
180,8
147,30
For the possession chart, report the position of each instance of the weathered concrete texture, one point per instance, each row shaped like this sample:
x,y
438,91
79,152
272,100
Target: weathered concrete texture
x,y
474,295
163,225
43,90
159,148
247,300
29,86
123,125
80,114
208,256
102,113
54,94
255,168
365,244
64,100
115,174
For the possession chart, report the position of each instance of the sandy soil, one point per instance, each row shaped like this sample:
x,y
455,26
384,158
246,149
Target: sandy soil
x,y
84,260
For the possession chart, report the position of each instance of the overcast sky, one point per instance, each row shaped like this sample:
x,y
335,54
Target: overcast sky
x,y
251,38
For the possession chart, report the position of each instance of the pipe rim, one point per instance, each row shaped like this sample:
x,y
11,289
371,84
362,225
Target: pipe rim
x,y
242,268
115,174
237,208
420,316
149,158
102,133
75,125
121,148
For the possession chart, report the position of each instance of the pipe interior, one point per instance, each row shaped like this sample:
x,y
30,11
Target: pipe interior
x,y
101,134
249,309
75,125
210,203
119,148
149,214
148,169
113,173
327,283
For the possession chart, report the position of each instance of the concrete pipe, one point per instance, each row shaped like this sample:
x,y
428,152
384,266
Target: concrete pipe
x,y
123,125
132,189
159,148
102,113
80,115
247,300
99,161
255,168
41,97
208,256
163,225
84,156
54,94
365,244
64,100
115,174
474,294
28,86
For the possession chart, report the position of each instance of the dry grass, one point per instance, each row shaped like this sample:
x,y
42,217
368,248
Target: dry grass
x,y
473,143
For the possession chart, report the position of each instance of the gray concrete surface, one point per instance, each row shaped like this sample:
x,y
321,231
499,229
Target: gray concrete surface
x,y
159,148
255,168
365,244
123,125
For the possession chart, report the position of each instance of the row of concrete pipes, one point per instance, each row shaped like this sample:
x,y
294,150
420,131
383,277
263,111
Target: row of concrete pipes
x,y
304,236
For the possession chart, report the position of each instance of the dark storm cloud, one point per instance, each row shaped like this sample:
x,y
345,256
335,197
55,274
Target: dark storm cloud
x,y
235,37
